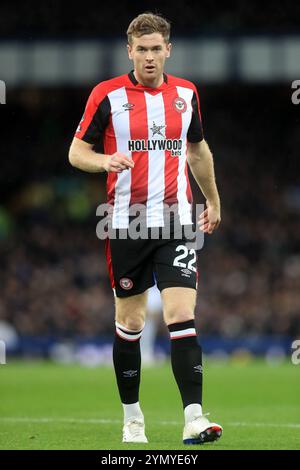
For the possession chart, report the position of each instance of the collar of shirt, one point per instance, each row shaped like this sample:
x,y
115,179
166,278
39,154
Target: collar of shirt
x,y
139,85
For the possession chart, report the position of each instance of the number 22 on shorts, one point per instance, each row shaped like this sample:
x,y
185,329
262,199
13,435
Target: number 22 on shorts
x,y
184,253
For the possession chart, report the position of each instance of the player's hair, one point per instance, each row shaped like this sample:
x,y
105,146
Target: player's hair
x,y
148,23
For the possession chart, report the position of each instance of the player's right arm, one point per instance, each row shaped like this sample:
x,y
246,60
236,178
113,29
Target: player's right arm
x,y
82,156
90,132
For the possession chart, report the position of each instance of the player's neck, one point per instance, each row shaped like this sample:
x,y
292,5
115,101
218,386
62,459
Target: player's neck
x,y
155,83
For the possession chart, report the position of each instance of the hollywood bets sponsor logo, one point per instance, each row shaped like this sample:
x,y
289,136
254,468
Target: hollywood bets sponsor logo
x,y
172,145
126,283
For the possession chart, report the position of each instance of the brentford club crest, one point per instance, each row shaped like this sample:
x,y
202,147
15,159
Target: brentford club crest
x,y
179,104
126,283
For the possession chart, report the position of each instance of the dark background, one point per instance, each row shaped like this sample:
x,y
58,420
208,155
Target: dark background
x,y
53,279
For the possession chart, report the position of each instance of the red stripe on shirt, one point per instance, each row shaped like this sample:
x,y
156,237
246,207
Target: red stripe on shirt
x,y
110,147
173,131
138,131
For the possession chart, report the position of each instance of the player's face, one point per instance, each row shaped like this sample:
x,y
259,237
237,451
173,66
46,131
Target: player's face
x,y
149,53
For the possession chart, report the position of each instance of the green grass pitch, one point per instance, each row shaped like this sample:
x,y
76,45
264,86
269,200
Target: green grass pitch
x,y
49,406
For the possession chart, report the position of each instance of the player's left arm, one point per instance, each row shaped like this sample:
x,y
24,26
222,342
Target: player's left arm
x,y
201,163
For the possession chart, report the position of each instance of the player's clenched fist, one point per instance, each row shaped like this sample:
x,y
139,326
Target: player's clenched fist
x,y
117,162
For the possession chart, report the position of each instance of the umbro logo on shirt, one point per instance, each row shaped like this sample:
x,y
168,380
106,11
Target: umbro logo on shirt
x,y
128,106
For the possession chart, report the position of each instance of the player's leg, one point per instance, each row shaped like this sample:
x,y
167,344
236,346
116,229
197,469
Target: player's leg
x,y
186,358
175,266
130,320
130,269
186,353
154,314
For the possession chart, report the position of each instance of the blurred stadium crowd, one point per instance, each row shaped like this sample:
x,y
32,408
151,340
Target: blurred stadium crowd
x,y
61,20
53,278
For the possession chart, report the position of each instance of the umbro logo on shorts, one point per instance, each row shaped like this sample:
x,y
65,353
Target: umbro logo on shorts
x,y
126,283
186,272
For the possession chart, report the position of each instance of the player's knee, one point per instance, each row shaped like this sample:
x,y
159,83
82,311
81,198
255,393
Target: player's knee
x,y
135,323
177,316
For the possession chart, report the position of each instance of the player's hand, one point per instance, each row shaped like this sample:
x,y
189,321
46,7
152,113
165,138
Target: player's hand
x,y
118,162
210,219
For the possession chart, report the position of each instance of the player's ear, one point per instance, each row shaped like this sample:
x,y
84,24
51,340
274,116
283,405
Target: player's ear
x,y
169,48
129,50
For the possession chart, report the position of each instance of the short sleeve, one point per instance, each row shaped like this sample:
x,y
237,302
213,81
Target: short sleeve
x,y
95,118
195,132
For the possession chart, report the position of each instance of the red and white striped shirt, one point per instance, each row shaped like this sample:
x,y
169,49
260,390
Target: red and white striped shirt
x,y
151,126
